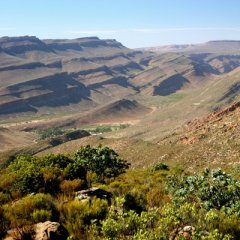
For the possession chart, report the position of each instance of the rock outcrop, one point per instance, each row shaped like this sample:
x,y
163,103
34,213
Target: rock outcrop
x,y
50,231
41,231
182,233
93,192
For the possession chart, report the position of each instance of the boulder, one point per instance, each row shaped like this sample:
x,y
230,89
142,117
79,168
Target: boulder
x,y
93,192
189,229
40,231
50,231
182,233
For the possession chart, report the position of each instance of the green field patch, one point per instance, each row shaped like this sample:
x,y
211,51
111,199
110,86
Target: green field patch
x,y
105,128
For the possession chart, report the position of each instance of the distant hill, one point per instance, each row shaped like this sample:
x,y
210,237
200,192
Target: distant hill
x,y
75,82
208,47
38,75
61,75
121,110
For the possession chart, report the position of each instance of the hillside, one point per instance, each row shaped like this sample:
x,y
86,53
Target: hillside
x,y
42,76
221,124
211,141
208,47
80,82
10,139
122,110
55,76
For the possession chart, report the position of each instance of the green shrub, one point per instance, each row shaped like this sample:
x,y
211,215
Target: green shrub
x,y
216,235
52,176
216,197
68,187
60,161
119,224
103,161
75,170
119,188
78,215
130,203
157,197
4,223
41,215
160,166
225,223
26,210
214,189
4,198
29,174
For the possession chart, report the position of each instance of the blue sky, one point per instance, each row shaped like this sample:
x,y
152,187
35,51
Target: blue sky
x,y
135,23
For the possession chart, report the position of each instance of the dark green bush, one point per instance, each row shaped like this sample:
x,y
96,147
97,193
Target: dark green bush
x,y
103,161
160,166
130,203
42,174
75,170
214,189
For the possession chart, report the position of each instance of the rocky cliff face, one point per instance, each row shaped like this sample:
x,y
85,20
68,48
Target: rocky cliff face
x,y
20,45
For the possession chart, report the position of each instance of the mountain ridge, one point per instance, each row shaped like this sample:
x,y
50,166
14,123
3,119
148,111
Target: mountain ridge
x,y
77,76
200,47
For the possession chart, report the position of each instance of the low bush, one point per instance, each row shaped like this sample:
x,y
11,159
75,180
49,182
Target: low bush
x,y
31,209
78,215
160,166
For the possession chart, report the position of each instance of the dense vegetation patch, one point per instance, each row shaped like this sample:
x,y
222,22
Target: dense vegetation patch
x,y
156,203
106,128
50,132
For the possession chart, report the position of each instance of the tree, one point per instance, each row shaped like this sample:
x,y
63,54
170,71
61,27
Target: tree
x,y
103,161
75,171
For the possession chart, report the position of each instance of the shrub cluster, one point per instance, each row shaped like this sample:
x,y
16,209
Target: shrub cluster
x,y
152,204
